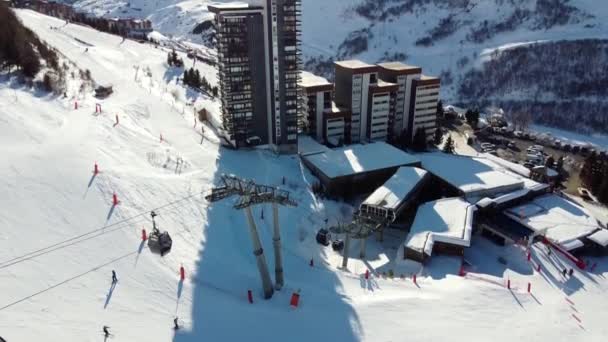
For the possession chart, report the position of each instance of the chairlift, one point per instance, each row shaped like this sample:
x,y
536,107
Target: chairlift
x,y
159,242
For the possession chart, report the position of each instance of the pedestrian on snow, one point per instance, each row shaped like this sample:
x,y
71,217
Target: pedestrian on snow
x,y
564,272
548,250
175,325
114,279
106,331
570,272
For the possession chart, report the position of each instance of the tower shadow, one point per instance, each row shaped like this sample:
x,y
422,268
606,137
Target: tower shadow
x,y
226,268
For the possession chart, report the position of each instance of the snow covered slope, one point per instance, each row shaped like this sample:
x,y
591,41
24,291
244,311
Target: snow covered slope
x,y
60,236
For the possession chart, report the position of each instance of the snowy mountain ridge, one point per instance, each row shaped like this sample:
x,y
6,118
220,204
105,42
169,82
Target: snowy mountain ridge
x,y
451,39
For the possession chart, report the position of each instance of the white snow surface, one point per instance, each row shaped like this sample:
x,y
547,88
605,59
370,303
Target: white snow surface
x,y
474,176
397,188
60,237
360,158
563,220
447,220
600,237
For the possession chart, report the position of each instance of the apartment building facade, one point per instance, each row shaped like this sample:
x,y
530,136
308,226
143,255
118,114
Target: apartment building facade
x,y
258,69
381,112
353,79
385,102
423,106
322,118
403,75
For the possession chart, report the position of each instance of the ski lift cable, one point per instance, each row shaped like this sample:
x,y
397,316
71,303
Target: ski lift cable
x,y
117,225
67,280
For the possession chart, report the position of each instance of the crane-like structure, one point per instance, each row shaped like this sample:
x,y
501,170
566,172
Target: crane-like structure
x,y
361,227
252,194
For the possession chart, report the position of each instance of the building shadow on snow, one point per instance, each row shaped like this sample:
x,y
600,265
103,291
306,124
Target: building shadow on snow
x,y
226,268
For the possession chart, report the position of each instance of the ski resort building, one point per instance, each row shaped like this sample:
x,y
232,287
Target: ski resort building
x,y
356,169
259,71
403,75
381,103
558,219
444,226
385,101
322,118
396,195
353,80
423,106
476,178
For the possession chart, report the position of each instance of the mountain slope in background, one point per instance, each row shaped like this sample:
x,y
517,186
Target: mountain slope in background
x,y
452,39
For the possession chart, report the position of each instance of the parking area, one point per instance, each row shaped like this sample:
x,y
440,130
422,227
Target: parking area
x,y
528,149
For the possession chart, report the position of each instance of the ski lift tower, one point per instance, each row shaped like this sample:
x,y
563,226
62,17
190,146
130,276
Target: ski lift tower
x,y
252,194
360,228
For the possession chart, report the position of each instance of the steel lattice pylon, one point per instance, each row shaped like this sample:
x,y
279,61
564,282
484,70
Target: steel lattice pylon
x,y
361,227
251,194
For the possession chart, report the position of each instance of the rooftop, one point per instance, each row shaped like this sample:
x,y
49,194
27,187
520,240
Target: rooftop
x,y
356,159
559,219
383,84
354,64
398,66
600,237
308,145
311,80
447,220
474,176
232,6
335,109
397,188
428,78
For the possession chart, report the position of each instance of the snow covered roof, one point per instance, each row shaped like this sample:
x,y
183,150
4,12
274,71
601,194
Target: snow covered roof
x,y
600,237
392,193
311,80
355,159
514,167
231,6
572,244
474,176
308,145
398,66
560,220
447,220
354,64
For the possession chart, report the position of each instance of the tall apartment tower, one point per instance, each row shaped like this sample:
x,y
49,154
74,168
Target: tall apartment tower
x,y
258,68
423,106
403,75
371,101
381,111
322,118
352,79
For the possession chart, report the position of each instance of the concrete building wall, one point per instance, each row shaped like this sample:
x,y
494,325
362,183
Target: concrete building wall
x,y
380,110
423,106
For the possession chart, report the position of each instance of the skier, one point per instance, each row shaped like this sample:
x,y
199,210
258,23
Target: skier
x,y
564,272
549,251
114,279
570,272
106,331
175,325
86,50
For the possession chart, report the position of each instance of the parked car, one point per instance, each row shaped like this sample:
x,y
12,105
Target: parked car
x,y
518,134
